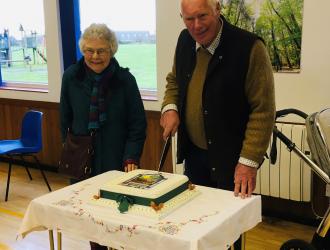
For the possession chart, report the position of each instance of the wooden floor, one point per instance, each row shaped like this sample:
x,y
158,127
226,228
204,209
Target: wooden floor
x,y
268,235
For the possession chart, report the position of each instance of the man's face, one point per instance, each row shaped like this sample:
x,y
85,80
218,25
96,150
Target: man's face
x,y
201,20
97,54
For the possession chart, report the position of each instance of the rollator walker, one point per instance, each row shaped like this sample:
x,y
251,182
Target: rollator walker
x,y
318,138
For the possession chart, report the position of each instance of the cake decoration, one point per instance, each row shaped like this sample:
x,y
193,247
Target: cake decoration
x,y
191,186
155,206
144,181
124,203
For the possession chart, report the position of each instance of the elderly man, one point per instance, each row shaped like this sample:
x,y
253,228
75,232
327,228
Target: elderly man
x,y
220,98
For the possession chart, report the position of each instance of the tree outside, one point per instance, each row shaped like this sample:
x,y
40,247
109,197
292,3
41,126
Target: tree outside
x,y
278,22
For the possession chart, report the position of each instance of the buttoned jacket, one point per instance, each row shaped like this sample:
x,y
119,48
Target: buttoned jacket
x,y
123,134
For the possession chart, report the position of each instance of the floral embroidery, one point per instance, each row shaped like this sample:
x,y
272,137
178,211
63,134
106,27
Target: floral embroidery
x,y
172,228
169,229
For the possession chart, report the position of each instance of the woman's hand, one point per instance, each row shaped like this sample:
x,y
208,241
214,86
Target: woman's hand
x,y
130,167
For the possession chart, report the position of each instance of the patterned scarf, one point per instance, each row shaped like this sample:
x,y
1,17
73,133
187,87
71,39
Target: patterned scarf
x,y
97,110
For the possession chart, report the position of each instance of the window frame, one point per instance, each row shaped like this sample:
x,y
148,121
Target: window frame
x,y
68,35
70,31
25,85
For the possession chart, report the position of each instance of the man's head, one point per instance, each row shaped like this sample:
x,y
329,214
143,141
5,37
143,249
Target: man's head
x,y
201,18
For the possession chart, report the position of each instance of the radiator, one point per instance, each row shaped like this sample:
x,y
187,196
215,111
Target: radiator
x,y
290,177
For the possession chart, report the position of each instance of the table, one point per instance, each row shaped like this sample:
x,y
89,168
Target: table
x,y
212,220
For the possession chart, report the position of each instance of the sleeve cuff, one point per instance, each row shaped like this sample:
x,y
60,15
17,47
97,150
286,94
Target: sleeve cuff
x,y
248,162
130,161
169,107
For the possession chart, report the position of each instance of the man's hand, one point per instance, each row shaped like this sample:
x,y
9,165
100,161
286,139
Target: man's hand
x,y
245,180
170,122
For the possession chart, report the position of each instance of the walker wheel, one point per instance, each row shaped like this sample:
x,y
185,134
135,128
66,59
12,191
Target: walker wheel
x,y
296,244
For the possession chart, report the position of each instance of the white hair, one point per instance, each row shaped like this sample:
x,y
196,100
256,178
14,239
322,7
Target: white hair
x,y
212,3
99,31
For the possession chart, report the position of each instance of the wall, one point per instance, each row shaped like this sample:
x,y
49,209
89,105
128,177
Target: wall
x,y
309,90
12,112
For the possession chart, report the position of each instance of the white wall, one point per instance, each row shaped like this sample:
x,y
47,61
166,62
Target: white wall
x,y
309,90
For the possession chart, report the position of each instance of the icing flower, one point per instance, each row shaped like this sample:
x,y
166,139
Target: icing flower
x,y
156,207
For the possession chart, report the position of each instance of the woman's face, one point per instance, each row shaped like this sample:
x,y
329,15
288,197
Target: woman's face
x,y
97,54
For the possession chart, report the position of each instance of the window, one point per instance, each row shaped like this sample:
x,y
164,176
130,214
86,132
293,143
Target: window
x,y
23,56
134,23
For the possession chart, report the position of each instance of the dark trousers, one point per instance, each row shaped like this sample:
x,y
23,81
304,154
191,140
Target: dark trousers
x,y
196,167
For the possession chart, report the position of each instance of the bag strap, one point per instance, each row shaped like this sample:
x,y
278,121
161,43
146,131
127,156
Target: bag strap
x,y
92,132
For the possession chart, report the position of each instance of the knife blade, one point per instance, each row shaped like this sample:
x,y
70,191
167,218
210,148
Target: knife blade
x,y
164,153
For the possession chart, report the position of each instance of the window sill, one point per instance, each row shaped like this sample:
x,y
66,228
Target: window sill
x,y
35,87
148,95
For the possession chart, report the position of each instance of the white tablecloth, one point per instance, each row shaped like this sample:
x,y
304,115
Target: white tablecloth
x,y
212,220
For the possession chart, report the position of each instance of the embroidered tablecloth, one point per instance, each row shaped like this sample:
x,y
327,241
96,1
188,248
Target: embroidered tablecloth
x,y
212,220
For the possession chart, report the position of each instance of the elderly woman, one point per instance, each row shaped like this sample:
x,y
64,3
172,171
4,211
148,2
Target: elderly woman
x,y
99,95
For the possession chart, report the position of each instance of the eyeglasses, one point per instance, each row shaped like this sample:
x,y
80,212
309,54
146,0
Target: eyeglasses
x,y
99,52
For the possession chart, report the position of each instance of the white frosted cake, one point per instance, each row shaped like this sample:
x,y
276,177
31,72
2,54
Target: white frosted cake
x,y
145,192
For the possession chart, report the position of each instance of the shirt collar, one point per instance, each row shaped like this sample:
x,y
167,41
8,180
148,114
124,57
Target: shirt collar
x,y
211,49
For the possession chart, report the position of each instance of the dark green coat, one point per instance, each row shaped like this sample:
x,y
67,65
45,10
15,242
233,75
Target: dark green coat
x,y
123,134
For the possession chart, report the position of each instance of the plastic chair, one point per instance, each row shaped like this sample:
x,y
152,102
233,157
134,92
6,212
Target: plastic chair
x,y
29,144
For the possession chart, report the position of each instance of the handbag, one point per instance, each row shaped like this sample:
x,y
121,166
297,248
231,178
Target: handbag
x,y
77,156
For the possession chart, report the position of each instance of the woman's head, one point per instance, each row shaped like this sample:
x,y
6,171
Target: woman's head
x,y
98,44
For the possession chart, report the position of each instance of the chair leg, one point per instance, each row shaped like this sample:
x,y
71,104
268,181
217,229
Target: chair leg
x,y
8,180
42,172
26,168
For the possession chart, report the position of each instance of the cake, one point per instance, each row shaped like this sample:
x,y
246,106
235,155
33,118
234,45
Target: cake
x,y
146,192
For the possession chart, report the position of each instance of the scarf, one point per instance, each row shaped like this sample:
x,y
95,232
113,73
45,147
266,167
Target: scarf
x,y
97,110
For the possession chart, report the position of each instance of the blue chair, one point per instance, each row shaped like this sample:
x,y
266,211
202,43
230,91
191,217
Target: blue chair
x,y
29,144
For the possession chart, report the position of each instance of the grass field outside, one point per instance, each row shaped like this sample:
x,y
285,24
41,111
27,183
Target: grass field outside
x,y
139,58
21,71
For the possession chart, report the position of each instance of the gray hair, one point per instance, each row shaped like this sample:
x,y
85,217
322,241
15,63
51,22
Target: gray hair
x,y
212,3
99,31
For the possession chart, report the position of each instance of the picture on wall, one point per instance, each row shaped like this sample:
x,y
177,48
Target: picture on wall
x,y
278,22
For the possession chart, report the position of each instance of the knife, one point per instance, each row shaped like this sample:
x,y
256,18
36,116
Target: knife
x,y
164,153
